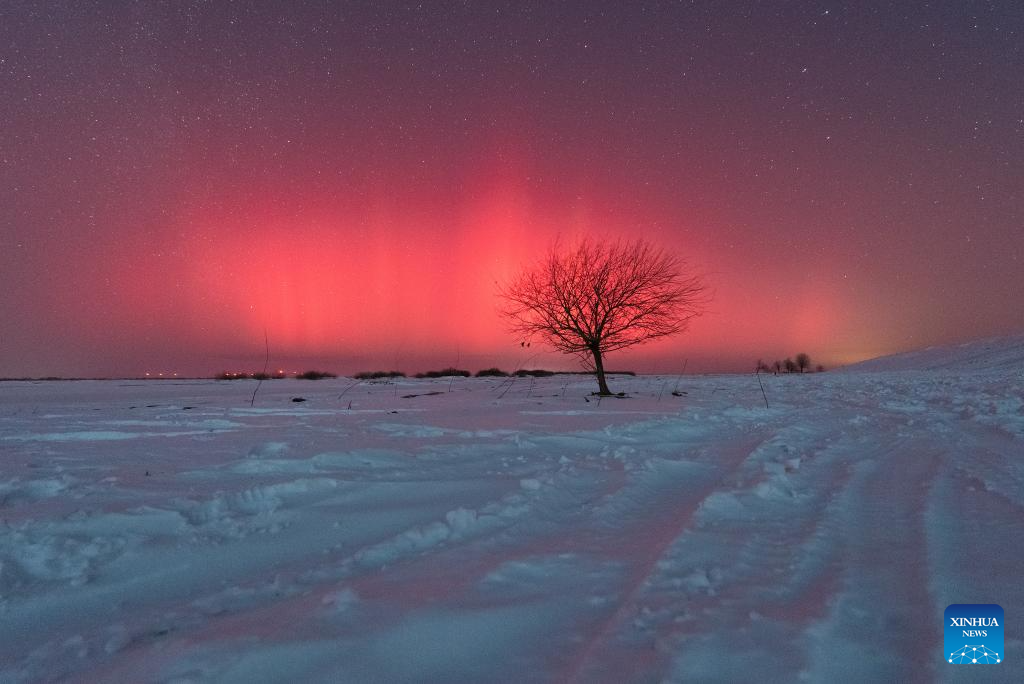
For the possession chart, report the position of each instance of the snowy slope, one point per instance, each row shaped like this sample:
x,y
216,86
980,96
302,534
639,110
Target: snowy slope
x,y
158,531
992,354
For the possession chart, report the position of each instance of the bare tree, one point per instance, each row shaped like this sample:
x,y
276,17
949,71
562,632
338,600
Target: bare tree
x,y
598,297
803,362
777,367
790,365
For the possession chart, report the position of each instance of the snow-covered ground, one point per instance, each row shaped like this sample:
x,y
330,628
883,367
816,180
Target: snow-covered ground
x,y
166,531
989,355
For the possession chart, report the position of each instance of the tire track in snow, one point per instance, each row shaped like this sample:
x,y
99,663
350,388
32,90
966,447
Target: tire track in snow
x,y
883,626
156,576
642,544
401,572
974,517
698,576
557,517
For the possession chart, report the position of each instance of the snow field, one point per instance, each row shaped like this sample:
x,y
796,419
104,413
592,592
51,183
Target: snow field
x,y
159,531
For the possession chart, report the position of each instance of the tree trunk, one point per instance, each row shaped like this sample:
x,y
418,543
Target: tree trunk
x,y
602,384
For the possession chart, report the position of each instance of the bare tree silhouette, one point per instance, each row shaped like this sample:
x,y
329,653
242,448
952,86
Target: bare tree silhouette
x,y
598,297
803,362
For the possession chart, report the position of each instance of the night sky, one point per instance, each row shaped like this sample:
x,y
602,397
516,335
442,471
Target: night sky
x,y
353,178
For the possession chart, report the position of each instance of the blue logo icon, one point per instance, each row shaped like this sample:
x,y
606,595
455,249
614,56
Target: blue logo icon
x,y
973,634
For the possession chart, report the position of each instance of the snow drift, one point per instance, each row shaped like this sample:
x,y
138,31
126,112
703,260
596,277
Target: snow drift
x,y
995,354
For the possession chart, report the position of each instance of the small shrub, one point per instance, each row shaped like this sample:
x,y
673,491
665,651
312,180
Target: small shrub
x,y
537,373
607,372
377,375
445,373
491,373
315,375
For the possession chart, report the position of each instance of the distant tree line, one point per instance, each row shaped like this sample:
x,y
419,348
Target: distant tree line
x,y
392,375
305,375
801,363
540,373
